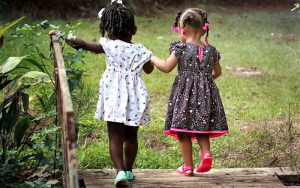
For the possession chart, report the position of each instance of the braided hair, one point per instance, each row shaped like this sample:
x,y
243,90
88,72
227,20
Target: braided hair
x,y
117,22
194,17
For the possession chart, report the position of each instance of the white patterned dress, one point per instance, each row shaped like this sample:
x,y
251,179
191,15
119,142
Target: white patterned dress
x,y
123,96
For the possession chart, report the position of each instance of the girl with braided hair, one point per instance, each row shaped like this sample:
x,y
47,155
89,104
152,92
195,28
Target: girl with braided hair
x,y
195,110
123,99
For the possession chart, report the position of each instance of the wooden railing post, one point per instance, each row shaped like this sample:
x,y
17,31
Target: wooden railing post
x,y
65,118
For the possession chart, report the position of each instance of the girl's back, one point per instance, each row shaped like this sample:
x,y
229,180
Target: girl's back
x,y
195,104
188,56
123,95
125,57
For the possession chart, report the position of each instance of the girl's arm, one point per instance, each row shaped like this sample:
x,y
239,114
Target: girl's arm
x,y
165,65
78,43
148,67
217,71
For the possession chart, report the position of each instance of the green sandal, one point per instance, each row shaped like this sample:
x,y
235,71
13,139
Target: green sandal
x,y
130,175
121,179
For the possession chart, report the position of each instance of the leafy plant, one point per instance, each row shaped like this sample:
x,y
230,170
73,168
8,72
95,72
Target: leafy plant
x,y
17,122
29,142
6,27
14,98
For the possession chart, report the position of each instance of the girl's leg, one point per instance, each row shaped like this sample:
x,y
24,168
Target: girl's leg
x,y
116,134
204,143
186,148
131,146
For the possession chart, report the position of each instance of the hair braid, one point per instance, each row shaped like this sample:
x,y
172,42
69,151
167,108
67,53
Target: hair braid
x,y
194,17
117,22
177,18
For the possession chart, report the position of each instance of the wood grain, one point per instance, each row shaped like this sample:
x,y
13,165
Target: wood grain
x,y
65,118
233,177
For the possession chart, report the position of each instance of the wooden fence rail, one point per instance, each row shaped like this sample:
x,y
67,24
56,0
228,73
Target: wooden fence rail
x,y
65,118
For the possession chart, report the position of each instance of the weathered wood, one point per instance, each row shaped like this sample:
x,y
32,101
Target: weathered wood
x,y
65,118
238,177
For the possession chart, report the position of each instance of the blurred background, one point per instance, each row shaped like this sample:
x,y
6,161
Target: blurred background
x,y
86,8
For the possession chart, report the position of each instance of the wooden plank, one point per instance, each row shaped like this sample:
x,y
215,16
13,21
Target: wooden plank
x,y
239,177
110,173
66,119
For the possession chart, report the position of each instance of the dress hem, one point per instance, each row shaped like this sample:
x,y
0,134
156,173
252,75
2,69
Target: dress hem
x,y
212,134
120,120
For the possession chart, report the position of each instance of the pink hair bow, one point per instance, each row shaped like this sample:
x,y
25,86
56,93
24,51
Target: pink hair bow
x,y
205,27
175,29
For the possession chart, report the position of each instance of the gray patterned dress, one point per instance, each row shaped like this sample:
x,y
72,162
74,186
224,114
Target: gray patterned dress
x,y
195,105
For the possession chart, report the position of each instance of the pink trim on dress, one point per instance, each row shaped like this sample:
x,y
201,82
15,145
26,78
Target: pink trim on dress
x,y
200,52
212,134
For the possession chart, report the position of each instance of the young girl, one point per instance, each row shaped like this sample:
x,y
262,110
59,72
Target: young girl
x,y
195,110
123,99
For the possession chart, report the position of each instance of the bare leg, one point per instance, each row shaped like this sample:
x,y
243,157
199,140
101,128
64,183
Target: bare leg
x,y
116,134
204,143
131,146
186,148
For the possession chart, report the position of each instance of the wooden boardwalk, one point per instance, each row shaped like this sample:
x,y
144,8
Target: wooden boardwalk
x,y
147,178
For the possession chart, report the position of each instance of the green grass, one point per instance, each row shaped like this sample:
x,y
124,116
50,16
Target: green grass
x,y
244,39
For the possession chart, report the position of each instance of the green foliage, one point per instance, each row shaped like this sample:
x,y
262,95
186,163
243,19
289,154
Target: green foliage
x,y
10,107
6,27
20,130
9,25
15,121
31,142
19,152
10,64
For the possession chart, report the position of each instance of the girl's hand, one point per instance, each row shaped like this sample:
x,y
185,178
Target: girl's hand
x,y
54,32
78,43
148,67
70,39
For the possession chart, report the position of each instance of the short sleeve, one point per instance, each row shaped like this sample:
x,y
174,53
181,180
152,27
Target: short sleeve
x,y
146,55
216,57
104,43
177,48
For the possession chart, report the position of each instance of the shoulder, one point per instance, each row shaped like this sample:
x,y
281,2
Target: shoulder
x,y
177,46
103,41
140,52
112,43
214,53
213,49
139,48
